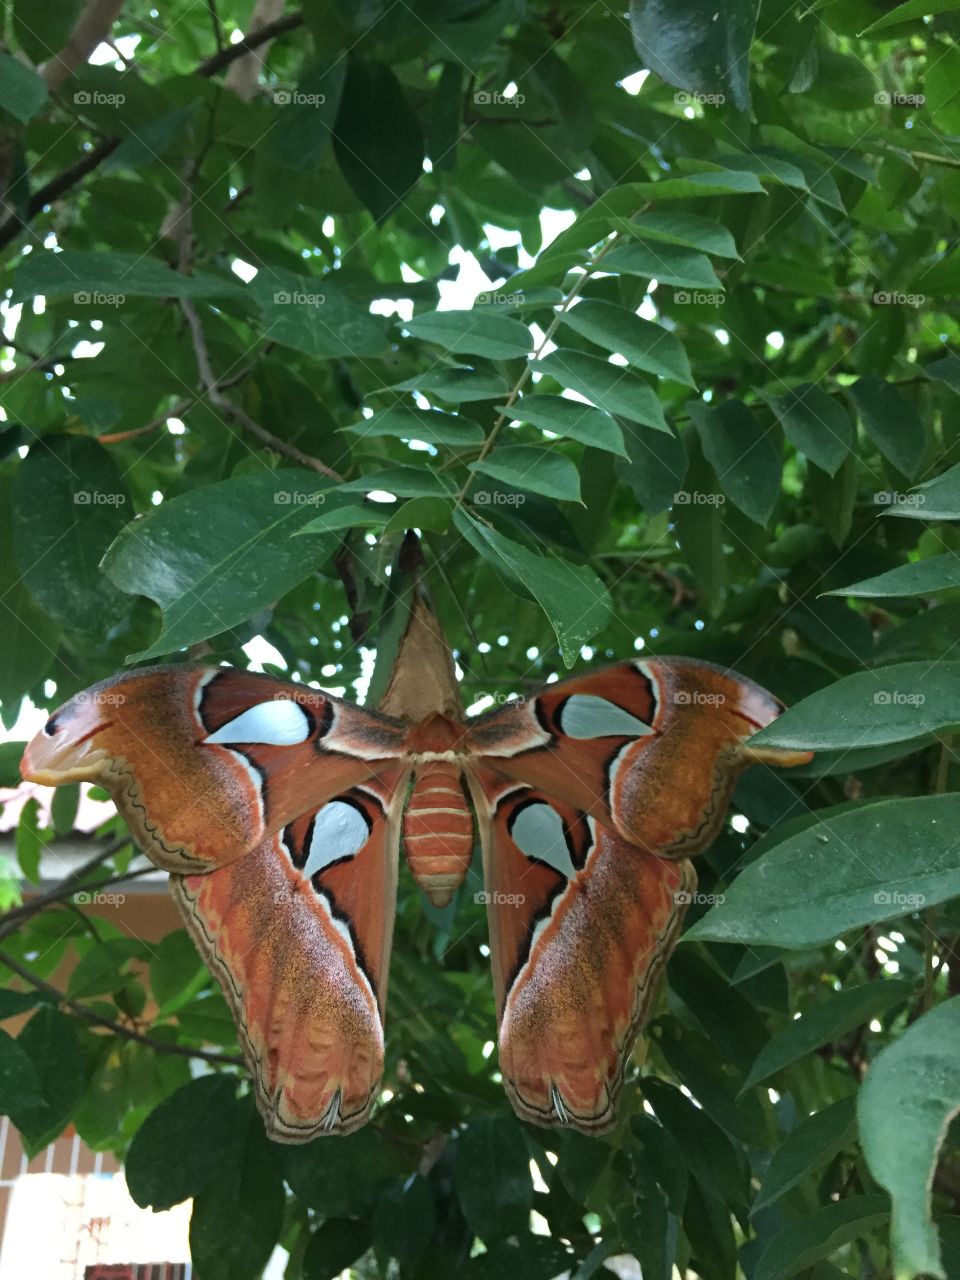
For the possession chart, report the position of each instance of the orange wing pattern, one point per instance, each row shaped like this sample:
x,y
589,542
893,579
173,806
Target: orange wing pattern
x,y
590,797
581,924
298,934
204,762
651,749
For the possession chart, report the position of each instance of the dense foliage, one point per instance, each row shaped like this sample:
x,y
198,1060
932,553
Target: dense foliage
x,y
223,333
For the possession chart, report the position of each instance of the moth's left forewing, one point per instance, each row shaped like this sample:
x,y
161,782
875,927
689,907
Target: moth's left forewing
x,y
298,934
581,924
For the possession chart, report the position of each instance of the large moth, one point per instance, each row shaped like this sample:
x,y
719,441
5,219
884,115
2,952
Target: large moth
x,y
279,811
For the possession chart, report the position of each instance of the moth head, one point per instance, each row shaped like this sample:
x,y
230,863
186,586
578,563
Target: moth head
x,y
68,747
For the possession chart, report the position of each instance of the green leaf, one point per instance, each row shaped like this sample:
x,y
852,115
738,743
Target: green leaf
x,y
940,87
679,227
937,499
825,1023
540,470
405,482
611,387
22,92
743,454
307,114
811,1145
86,275
696,47
456,384
900,703
63,808
43,26
647,345
912,9
237,1217
316,315
370,515
817,425
69,503
570,419
405,422
708,1152
10,755
819,1234
657,466
404,1220
906,1104
480,332
343,1177
13,1003
419,513
177,973
103,969
669,264
574,599
179,1149
212,557
378,142
334,1246
493,1177
30,842
59,1071
891,422
876,862
19,1089
922,578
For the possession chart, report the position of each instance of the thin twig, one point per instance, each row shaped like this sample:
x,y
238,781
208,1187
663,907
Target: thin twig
x,y
208,380
10,920
96,1019
65,181
178,410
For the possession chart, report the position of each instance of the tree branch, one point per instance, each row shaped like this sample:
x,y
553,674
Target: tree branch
x,y
243,78
65,181
226,406
97,1020
91,28
11,919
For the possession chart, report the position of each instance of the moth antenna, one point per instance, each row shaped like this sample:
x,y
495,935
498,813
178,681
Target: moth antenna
x,y
558,1105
